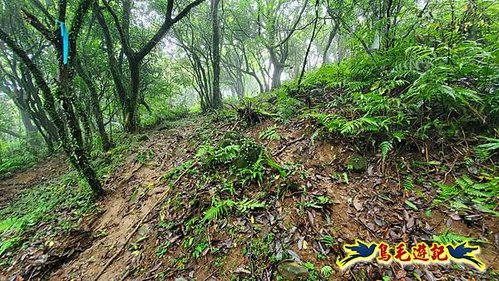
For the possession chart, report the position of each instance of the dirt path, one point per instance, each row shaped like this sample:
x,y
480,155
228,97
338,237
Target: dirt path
x,y
133,191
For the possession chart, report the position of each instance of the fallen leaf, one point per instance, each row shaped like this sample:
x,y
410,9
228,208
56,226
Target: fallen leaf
x,y
357,204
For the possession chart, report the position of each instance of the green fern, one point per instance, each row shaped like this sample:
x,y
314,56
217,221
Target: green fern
x,y
418,53
448,237
328,240
466,193
408,184
252,173
270,134
492,145
218,208
386,147
247,205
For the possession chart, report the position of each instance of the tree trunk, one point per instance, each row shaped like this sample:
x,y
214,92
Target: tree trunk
x,y
330,38
276,75
312,38
131,115
240,85
217,95
94,103
388,22
46,136
31,129
74,147
120,91
72,143
278,68
85,121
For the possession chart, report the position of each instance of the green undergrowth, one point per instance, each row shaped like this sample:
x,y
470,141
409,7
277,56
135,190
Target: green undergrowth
x,y
17,157
448,237
230,182
57,206
433,93
467,195
165,113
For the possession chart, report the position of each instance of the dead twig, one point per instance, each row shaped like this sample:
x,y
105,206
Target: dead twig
x,y
235,126
363,224
450,170
137,226
213,273
287,145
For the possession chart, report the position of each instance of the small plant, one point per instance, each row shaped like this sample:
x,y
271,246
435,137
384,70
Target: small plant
x,y
259,247
233,150
484,151
340,177
175,172
327,271
162,249
312,273
357,163
448,237
229,187
466,193
44,203
253,173
199,249
408,184
317,202
145,156
101,233
249,113
328,240
309,265
247,205
218,208
270,134
386,147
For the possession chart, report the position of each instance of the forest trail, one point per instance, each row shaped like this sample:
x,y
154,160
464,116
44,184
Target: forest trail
x,y
360,207
132,192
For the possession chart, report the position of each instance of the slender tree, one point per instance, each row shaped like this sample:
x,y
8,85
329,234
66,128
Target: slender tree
x,y
129,96
217,95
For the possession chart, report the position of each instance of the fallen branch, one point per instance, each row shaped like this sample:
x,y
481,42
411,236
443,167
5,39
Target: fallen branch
x,y
138,225
12,133
287,145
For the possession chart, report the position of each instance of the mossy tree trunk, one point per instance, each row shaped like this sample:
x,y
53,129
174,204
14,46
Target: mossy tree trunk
x,y
68,128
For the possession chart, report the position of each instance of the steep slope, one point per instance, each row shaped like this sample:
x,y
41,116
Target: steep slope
x,y
182,205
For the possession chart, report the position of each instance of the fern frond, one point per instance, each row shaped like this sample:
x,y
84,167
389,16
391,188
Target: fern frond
x,y
386,147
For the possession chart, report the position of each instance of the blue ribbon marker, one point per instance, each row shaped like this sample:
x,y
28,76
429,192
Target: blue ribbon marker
x,y
65,42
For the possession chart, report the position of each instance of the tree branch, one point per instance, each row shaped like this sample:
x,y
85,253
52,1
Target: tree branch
x,y
35,22
49,103
40,6
76,24
123,38
293,29
166,26
14,134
